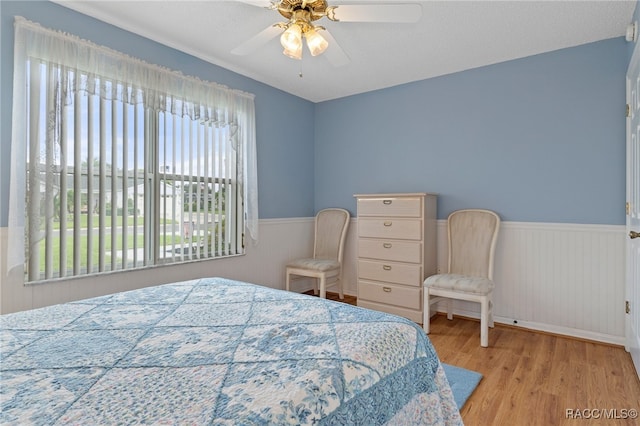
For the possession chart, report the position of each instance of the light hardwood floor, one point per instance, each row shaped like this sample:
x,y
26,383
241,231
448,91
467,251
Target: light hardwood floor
x,y
532,378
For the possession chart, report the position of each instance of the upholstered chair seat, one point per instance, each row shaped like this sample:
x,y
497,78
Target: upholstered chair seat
x,y
321,265
460,283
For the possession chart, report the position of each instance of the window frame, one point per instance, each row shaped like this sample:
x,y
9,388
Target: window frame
x,y
242,120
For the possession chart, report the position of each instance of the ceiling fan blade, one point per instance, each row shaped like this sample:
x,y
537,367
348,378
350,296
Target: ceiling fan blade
x,y
395,13
334,53
259,3
258,40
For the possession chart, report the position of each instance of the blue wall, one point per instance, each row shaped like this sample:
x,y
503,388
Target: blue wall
x,y
285,187
538,139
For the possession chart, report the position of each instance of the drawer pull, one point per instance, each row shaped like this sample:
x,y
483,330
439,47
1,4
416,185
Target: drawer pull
x,y
387,202
386,245
387,289
389,223
386,267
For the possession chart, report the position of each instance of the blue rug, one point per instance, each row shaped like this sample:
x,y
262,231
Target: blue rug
x,y
463,382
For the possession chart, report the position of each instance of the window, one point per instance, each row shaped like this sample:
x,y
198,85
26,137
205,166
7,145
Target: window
x,y
126,164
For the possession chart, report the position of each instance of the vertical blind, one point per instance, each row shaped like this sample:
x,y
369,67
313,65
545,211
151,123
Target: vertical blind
x,y
121,164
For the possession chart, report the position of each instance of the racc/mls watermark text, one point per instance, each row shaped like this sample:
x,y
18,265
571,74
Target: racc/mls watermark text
x,y
601,413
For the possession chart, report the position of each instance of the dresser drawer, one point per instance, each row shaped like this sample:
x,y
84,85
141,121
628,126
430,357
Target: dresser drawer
x,y
401,251
392,272
402,229
402,207
413,315
403,296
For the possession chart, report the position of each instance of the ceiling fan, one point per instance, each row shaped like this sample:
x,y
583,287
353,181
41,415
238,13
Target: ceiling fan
x,y
301,16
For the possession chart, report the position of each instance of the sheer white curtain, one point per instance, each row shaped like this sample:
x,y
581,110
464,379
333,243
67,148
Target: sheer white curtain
x,y
70,65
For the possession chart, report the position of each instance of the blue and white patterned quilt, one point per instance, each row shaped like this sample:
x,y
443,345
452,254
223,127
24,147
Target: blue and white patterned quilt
x,y
218,352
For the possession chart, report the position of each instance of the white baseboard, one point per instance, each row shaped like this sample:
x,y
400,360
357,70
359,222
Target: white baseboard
x,y
546,328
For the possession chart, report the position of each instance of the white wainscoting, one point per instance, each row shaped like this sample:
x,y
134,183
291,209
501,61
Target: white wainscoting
x,y
279,241
561,278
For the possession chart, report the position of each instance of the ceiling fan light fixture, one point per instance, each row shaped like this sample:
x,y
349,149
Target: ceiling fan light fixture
x,y
315,42
291,39
301,16
295,53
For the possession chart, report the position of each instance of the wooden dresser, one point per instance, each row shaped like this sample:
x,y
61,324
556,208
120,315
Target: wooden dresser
x,y
396,251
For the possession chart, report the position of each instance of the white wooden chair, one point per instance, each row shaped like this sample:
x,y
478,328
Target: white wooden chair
x,y
326,265
472,235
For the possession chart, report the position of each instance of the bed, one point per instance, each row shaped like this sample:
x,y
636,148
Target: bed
x,y
222,352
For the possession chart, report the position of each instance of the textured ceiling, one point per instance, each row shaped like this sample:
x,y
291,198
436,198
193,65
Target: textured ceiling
x,y
451,36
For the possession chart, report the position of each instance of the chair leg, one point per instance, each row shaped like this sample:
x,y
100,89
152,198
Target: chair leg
x,y
426,315
484,322
340,289
323,288
491,313
287,285
449,309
